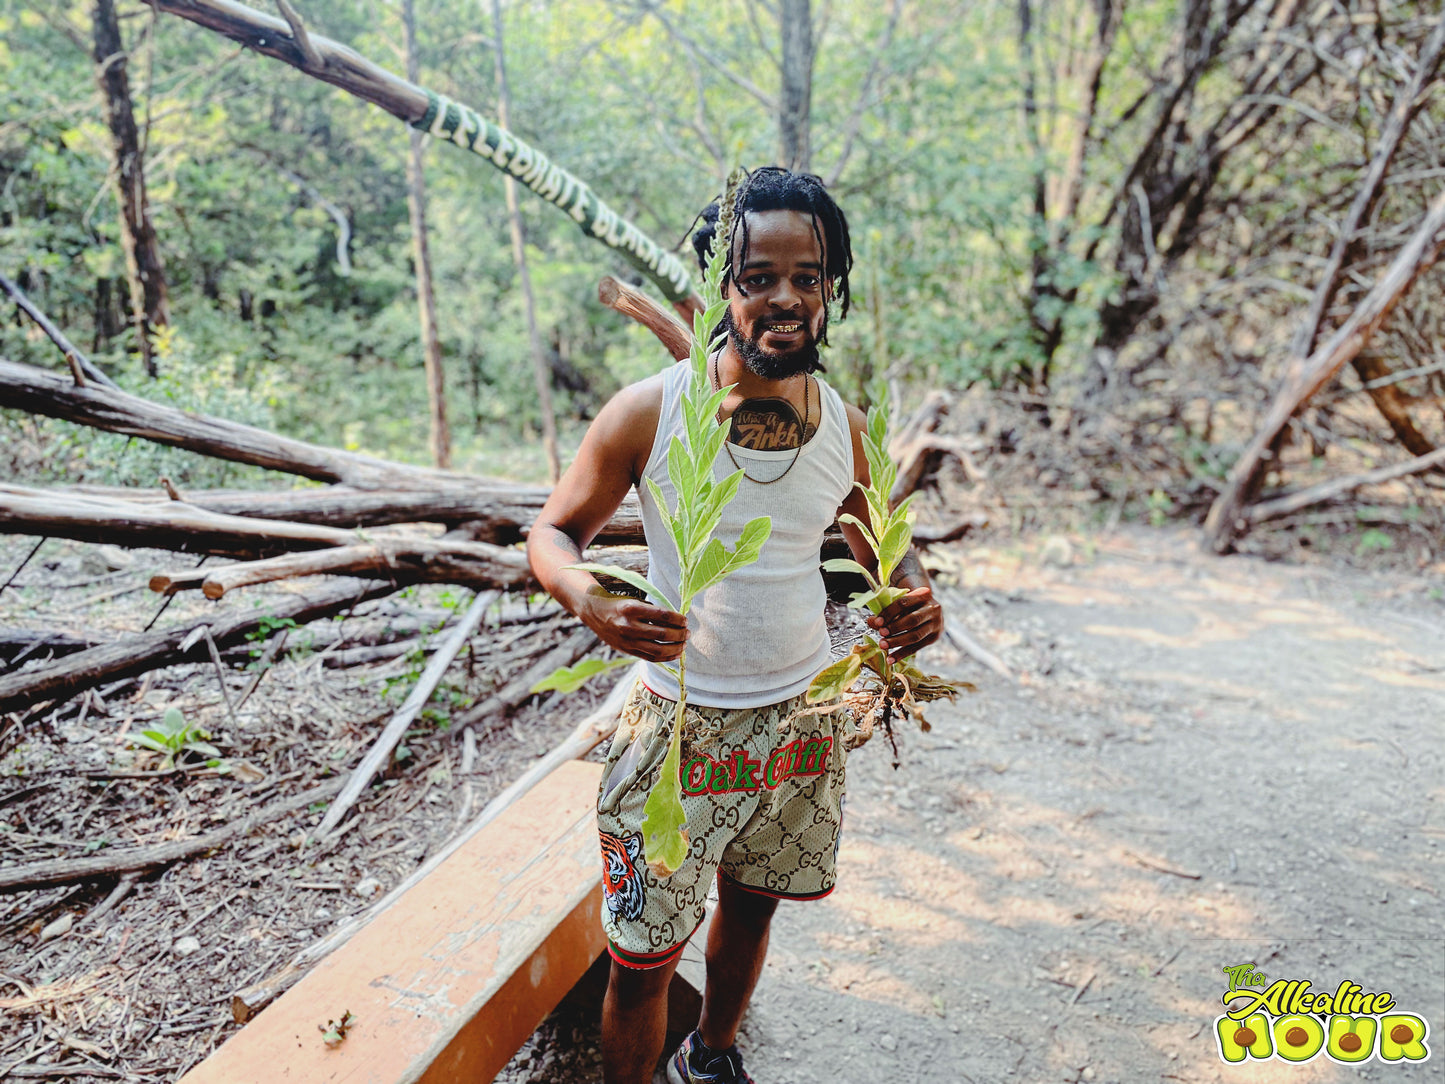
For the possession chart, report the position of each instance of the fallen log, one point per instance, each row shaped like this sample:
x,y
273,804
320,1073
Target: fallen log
x,y
148,651
400,561
588,734
381,749
1226,518
469,564
174,525
25,387
17,645
1338,487
495,512
118,863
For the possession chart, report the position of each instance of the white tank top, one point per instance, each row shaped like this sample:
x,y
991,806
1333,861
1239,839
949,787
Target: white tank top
x,y
759,636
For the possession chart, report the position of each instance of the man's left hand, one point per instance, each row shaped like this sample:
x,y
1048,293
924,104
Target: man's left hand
x,y
909,625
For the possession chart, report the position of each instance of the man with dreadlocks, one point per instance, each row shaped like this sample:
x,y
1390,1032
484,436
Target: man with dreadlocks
x,y
763,793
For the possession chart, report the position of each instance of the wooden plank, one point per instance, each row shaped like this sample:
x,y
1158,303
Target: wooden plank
x,y
448,983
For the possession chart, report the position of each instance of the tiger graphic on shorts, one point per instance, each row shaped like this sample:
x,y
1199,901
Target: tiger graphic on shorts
x,y
623,889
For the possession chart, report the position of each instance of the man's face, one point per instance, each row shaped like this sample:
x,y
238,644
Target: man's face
x,y
775,310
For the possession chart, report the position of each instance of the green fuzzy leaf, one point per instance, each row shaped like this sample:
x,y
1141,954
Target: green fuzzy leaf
x,y
710,566
568,679
750,543
869,536
664,821
174,721
679,471
835,678
626,575
674,525
892,547
205,748
847,564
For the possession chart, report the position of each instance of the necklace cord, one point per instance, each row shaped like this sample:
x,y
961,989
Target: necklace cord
x,y
802,436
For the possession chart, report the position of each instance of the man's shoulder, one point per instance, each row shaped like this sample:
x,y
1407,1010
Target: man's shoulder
x,y
627,424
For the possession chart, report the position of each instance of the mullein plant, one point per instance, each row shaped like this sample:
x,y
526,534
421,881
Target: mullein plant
x,y
704,560
887,688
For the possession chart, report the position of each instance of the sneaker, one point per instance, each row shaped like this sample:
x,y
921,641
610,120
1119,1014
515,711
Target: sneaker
x,y
724,1066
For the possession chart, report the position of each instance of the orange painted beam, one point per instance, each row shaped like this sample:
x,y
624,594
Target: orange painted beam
x,y
448,983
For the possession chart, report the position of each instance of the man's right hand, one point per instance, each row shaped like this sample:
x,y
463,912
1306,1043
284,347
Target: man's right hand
x,y
637,628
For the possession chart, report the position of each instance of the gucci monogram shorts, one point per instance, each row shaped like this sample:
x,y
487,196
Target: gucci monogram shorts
x,y
764,803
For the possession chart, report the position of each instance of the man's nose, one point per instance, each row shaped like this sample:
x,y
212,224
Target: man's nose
x,y
786,295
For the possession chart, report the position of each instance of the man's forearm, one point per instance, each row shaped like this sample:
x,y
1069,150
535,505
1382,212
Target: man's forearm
x,y
549,551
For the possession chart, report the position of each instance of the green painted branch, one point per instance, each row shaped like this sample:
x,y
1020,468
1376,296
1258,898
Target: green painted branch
x,y
451,121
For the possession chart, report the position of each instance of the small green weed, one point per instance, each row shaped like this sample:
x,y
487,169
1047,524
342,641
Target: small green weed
x,y
173,736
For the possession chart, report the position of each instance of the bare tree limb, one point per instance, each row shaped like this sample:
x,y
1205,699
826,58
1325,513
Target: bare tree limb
x,y
133,860
380,752
1226,517
1338,487
314,59
81,367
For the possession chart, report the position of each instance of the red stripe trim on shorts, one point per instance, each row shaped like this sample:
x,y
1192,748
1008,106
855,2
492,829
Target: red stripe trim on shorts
x,y
643,961
775,895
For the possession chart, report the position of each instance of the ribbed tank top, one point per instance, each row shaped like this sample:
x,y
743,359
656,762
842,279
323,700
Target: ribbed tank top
x,y
759,636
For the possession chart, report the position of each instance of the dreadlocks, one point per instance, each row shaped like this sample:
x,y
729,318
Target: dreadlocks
x,y
773,188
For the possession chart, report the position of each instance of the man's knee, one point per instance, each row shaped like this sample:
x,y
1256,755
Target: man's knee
x,y
635,985
751,910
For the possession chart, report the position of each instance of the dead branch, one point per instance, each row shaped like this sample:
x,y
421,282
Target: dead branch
x,y
137,654
25,387
118,863
636,305
81,367
298,34
1226,517
588,734
490,712
496,512
381,750
1338,487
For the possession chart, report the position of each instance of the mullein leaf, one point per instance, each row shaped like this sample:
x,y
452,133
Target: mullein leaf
x,y
626,575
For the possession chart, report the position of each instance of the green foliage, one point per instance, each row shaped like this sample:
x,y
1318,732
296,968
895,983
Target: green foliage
x,y
173,737
1373,540
568,679
894,686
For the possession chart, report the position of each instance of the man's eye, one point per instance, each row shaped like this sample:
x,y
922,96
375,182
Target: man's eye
x,y
758,281
808,282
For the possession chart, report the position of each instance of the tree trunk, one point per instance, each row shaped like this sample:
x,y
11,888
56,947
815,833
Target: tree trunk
x,y
144,267
795,103
440,437
541,367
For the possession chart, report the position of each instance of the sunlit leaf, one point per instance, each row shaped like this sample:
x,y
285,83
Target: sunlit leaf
x,y
626,575
833,681
568,679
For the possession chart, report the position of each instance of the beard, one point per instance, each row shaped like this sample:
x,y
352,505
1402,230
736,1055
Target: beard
x,y
803,358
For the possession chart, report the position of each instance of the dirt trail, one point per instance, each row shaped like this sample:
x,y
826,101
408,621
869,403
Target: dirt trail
x,y
1271,734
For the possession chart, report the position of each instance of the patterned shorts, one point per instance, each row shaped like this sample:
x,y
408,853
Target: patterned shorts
x,y
764,804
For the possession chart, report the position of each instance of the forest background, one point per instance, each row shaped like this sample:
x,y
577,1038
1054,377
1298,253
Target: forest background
x,y
1110,217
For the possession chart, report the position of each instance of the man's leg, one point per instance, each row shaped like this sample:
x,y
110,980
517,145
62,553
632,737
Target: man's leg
x,y
634,1022
737,942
